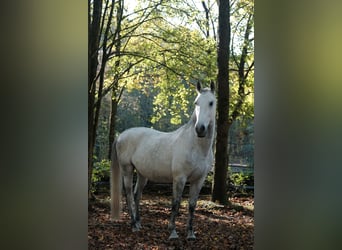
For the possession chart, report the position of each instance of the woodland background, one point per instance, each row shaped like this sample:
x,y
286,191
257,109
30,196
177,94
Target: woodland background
x,y
145,58
297,124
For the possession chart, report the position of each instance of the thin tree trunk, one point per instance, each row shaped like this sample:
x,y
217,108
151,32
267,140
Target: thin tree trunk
x,y
206,18
115,98
221,155
93,43
241,70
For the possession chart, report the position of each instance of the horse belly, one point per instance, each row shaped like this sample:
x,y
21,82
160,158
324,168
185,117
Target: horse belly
x,y
153,167
152,159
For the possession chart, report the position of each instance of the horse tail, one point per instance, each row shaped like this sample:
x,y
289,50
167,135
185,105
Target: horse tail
x,y
115,184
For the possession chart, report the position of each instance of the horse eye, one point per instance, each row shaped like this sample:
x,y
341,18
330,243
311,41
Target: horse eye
x,y
211,103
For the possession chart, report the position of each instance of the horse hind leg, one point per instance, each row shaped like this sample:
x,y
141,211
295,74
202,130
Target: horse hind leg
x,y
139,186
128,182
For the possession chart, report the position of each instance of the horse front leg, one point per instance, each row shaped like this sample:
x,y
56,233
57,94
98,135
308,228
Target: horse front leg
x,y
195,188
177,188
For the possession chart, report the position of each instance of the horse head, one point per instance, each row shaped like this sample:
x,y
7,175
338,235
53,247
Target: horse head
x,y
205,109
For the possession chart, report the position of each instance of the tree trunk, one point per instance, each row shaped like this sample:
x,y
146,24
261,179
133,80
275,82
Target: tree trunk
x,y
93,44
221,155
115,97
243,74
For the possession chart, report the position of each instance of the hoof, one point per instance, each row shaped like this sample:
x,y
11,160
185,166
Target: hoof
x,y
173,235
191,236
136,226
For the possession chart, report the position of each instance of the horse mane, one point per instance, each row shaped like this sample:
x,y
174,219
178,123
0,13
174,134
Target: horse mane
x,y
190,123
205,90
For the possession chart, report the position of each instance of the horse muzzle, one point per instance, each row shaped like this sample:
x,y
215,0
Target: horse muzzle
x,y
201,131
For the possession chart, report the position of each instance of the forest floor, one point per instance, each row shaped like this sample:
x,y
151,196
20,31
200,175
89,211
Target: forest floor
x,y
216,226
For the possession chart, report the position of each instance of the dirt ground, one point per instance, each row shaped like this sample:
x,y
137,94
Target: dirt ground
x,y
216,227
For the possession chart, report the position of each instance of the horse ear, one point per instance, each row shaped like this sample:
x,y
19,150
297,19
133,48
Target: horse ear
x,y
212,86
199,87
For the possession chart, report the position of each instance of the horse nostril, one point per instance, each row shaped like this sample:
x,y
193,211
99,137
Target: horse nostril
x,y
202,128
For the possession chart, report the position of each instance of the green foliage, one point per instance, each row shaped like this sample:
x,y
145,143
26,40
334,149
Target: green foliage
x,y
164,51
175,57
236,182
101,171
210,178
241,179
176,52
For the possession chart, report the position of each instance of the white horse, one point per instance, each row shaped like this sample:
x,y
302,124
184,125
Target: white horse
x,y
181,156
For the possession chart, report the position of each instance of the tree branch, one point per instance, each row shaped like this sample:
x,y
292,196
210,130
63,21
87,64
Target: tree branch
x,y
241,72
249,70
109,88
